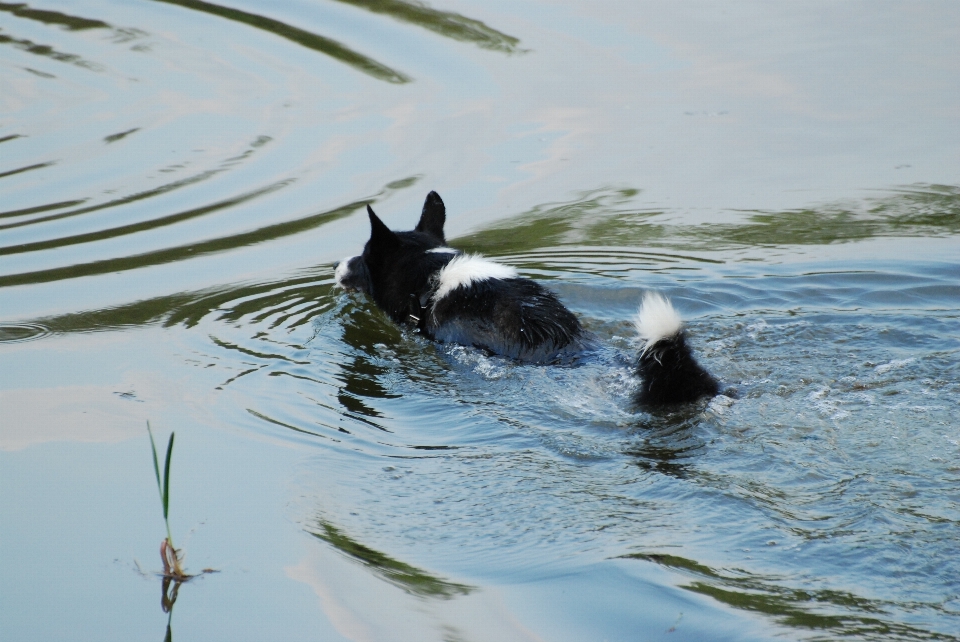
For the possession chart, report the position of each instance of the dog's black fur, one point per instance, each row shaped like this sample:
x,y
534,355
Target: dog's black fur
x,y
405,272
671,375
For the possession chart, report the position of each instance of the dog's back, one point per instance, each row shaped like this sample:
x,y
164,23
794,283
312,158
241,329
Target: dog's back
x,y
503,313
460,298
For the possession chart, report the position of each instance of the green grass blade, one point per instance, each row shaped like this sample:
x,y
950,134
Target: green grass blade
x,y
156,464
166,476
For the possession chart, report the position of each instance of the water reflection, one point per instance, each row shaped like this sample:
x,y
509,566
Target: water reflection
x,y
133,198
324,45
16,332
446,23
48,52
169,589
164,189
67,22
409,578
41,208
569,229
72,23
609,218
163,221
191,250
669,446
28,168
841,613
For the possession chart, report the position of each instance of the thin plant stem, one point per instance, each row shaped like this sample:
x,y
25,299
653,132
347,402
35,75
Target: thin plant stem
x,y
163,486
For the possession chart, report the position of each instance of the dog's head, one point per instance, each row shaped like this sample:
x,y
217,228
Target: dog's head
x,y
385,247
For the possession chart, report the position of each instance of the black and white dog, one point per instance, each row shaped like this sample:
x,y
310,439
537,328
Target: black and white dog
x,y
462,298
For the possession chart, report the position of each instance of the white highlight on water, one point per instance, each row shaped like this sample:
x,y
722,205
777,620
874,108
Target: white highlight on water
x,y
896,364
466,269
656,319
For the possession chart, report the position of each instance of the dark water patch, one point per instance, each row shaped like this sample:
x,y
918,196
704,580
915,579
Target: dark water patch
x,y
49,52
159,257
37,72
139,196
548,225
167,188
39,209
609,218
287,304
118,35
139,313
667,444
228,304
168,255
925,210
71,23
28,168
120,136
407,577
142,226
575,261
17,332
235,377
923,207
253,353
817,610
446,23
236,305
324,45
282,424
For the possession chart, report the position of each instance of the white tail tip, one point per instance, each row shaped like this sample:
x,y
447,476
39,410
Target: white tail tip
x,y
656,319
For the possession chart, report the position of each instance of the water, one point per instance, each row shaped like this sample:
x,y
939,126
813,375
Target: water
x,y
178,177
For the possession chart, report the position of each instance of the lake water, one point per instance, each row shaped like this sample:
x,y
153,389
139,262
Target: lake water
x,y
177,178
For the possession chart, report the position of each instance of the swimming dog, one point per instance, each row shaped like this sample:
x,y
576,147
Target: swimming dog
x,y
454,297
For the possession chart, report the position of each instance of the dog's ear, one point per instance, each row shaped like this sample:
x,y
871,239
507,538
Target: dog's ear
x,y
381,237
433,217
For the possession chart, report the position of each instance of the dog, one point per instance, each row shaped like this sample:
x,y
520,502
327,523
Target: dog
x,y
453,297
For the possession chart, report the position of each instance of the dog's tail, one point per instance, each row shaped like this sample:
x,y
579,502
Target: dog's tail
x,y
670,373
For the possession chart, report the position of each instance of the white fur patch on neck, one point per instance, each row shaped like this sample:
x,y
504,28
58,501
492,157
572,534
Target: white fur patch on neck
x,y
466,269
342,271
656,320
444,250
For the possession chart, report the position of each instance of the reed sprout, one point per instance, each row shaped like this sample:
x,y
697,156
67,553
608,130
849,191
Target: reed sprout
x,y
172,563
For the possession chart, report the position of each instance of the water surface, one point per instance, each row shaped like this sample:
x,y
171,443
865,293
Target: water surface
x,y
177,178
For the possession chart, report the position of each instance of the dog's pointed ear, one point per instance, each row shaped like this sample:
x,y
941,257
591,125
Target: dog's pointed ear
x,y
433,217
381,236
